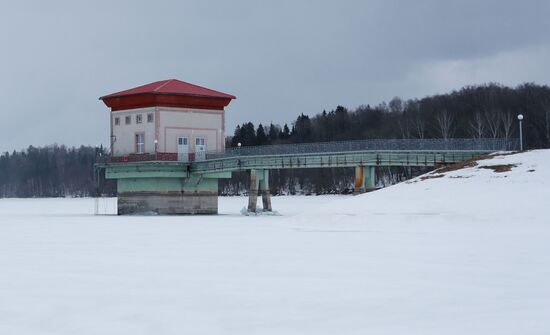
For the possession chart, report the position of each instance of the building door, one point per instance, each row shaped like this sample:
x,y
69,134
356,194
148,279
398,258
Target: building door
x,y
200,149
140,143
183,149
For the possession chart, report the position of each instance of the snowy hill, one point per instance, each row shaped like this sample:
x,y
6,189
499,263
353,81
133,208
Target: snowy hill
x,y
454,252
499,188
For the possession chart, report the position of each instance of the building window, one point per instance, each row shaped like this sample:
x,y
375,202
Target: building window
x,y
150,117
140,143
128,120
138,118
117,121
199,141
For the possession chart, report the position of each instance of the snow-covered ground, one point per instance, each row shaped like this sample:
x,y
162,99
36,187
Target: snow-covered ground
x,y
463,253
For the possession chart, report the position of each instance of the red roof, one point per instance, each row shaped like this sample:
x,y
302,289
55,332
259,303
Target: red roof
x,y
171,86
168,93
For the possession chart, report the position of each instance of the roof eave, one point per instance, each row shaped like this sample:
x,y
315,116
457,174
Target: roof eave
x,y
229,96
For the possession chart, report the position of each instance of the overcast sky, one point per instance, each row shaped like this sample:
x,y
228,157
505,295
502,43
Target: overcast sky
x,y
280,58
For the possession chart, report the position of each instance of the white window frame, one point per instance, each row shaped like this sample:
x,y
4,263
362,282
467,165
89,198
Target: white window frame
x,y
117,121
183,138
139,139
150,118
139,118
128,119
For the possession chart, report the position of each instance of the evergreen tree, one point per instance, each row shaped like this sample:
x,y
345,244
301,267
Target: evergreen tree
x,y
261,137
248,134
285,133
237,136
274,132
302,129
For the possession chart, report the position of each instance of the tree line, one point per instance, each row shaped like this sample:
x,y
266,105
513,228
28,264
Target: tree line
x,y
484,111
52,171
473,112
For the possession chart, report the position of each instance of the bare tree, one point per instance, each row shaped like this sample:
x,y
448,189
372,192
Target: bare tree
x,y
445,124
404,127
419,127
396,105
507,121
492,120
477,125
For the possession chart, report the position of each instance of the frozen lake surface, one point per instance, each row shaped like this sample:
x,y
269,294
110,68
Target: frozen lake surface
x,y
467,252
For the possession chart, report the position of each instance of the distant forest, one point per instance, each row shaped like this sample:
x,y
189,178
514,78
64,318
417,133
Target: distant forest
x,y
473,112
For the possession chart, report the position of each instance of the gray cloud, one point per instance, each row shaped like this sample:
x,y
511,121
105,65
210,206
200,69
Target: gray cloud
x,y
279,58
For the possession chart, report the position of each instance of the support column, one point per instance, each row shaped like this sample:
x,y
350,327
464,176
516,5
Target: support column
x,y
259,183
370,178
359,184
364,179
253,191
264,190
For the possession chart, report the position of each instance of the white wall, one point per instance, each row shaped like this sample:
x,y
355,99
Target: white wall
x,y
192,123
172,123
124,134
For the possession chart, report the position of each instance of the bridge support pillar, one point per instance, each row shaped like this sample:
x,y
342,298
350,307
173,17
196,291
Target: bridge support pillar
x,y
259,184
365,179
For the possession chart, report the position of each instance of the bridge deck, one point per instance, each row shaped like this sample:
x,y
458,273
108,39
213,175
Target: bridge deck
x,y
335,159
416,152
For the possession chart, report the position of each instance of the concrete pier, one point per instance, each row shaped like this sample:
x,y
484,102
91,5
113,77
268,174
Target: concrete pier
x,y
365,179
259,184
164,188
167,203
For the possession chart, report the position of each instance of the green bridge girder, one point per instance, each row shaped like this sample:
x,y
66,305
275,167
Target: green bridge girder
x,y
220,168
333,160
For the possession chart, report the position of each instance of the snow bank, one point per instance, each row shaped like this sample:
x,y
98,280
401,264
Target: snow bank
x,y
464,253
477,192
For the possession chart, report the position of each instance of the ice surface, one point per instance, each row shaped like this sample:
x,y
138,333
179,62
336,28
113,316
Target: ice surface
x,y
467,253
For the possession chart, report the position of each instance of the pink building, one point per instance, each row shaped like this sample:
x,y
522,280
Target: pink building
x,y
170,119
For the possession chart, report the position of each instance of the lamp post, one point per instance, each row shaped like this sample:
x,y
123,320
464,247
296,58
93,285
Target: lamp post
x,y
520,118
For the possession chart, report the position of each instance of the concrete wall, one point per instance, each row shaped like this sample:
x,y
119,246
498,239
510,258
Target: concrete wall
x,y
168,124
170,203
192,123
124,134
194,195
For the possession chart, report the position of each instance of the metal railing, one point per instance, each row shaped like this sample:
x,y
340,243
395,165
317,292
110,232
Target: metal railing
x,y
454,144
